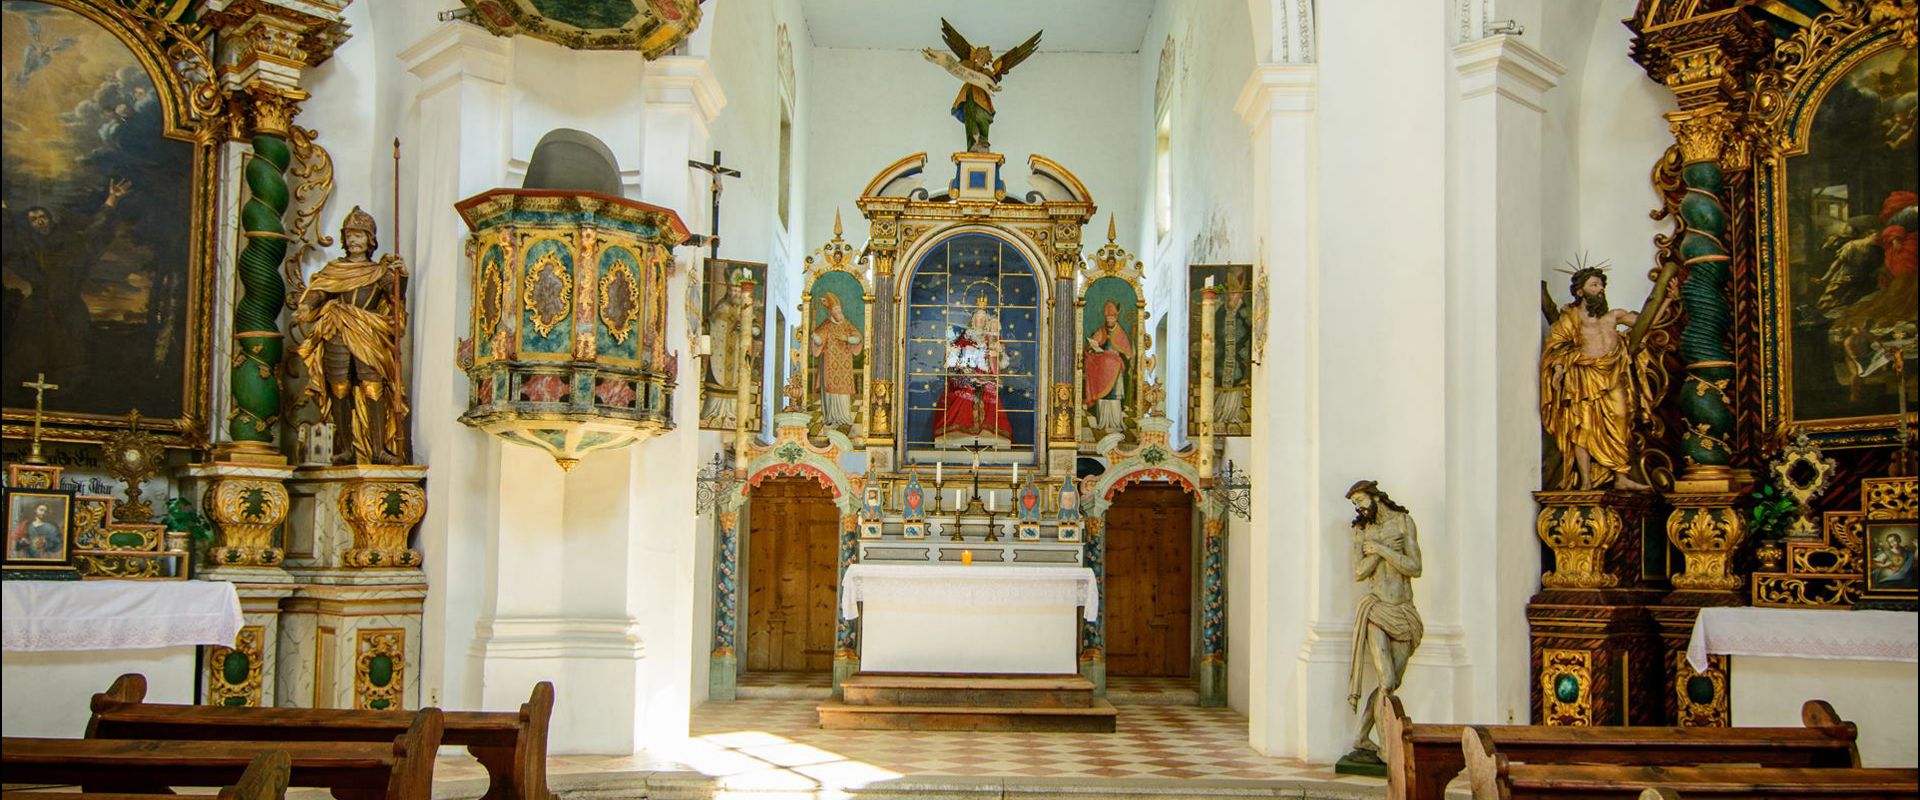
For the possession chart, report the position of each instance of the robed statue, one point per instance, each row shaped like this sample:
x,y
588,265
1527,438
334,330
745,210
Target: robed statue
x,y
1594,388
354,312
980,74
1386,626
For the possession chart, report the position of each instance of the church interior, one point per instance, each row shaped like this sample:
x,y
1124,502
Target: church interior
x,y
721,399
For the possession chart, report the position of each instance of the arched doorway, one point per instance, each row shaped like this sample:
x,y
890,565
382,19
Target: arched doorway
x,y
792,554
1149,591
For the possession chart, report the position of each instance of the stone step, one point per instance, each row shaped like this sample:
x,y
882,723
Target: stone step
x,y
1098,718
998,691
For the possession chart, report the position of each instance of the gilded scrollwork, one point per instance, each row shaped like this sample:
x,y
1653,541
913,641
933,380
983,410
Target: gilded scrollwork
x,y
382,515
234,673
379,676
1566,687
549,292
1579,535
246,511
1707,529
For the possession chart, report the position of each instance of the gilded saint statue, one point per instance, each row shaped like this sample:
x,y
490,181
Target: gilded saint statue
x,y
1386,626
354,312
980,74
1593,387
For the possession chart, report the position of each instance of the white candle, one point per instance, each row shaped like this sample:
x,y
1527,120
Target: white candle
x,y
1016,474
937,472
990,496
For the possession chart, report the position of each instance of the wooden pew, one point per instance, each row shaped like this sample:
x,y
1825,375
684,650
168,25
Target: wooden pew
x,y
1423,758
264,779
401,769
512,746
1492,777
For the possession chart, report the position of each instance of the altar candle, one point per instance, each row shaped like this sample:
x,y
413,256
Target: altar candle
x,y
1016,473
966,558
990,496
938,466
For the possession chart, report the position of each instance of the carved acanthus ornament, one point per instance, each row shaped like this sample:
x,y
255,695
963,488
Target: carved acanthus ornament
x,y
265,46
1708,530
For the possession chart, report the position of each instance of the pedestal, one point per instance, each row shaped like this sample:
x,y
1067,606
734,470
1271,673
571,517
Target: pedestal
x,y
353,646
346,519
247,503
1595,654
246,674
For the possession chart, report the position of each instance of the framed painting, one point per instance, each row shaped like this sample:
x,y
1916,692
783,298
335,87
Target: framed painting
x,y
835,341
727,306
1837,238
108,205
1890,548
39,529
1232,351
1111,352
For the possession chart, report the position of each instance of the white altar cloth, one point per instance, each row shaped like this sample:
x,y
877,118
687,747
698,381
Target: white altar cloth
x,y
1863,663
47,616
1804,633
975,619
66,640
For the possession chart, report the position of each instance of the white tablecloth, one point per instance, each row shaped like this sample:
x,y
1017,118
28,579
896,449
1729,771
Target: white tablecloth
x,y
48,616
970,587
1804,633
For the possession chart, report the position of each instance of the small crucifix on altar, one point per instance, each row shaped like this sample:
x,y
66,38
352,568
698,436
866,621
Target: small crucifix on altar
x,y
40,387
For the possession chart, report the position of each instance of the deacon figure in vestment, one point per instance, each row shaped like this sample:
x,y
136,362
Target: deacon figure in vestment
x,y
1108,358
1593,388
1386,626
835,343
354,310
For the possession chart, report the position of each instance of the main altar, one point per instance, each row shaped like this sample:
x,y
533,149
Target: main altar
x,y
972,389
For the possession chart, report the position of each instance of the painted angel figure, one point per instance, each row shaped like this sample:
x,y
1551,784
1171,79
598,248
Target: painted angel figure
x,y
980,74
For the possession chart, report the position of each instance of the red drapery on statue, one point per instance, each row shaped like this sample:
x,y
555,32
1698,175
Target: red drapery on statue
x,y
970,405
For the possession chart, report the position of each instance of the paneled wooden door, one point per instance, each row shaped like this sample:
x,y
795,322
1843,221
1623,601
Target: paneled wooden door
x,y
793,577
1150,583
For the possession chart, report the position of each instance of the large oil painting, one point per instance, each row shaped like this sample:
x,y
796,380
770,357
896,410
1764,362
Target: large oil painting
x,y
1232,352
728,304
973,351
1843,282
99,248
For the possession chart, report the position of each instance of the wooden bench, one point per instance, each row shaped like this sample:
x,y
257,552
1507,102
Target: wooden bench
x,y
1423,758
264,779
401,769
1492,777
511,745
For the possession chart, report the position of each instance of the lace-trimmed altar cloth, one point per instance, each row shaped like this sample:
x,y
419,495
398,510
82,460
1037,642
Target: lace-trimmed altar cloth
x,y
48,616
1803,633
970,587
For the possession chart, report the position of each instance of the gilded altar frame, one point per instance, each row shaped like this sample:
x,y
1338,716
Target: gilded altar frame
x,y
1045,226
174,55
1786,100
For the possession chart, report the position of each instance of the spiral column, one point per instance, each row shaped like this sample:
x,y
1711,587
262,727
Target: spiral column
x,y
257,341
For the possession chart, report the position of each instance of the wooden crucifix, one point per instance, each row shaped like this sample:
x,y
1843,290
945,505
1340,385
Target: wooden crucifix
x,y
715,174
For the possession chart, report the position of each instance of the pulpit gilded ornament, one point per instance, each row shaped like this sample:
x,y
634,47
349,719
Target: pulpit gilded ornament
x,y
569,315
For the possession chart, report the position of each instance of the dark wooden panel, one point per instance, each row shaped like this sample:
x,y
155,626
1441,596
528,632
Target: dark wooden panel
x,y
1149,586
793,556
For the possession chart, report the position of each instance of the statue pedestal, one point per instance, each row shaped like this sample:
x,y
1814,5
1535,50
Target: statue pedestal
x,y
1595,651
349,519
353,646
976,177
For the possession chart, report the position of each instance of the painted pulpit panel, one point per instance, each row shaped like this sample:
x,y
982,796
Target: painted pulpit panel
x,y
837,350
727,305
99,246
1844,284
973,339
1110,337
1232,351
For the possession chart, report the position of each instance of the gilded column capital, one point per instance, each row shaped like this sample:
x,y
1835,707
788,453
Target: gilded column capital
x,y
266,46
1713,134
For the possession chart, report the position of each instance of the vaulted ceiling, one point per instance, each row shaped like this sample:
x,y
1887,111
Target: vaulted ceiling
x,y
1096,26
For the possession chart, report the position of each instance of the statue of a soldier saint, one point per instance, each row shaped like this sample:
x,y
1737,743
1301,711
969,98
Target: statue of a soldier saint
x,y
1593,388
1386,626
354,311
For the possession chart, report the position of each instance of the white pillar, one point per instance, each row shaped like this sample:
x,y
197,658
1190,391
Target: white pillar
x,y
457,148
1278,105
1493,330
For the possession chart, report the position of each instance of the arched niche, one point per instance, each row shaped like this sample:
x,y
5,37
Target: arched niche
x,y
575,160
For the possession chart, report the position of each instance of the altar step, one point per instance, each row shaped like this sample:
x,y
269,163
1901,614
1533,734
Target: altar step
x,y
935,702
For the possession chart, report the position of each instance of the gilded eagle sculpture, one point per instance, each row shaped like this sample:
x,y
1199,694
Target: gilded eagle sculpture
x,y
980,75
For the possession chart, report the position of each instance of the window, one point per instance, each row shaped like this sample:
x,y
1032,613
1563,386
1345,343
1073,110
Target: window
x,y
1163,177
785,187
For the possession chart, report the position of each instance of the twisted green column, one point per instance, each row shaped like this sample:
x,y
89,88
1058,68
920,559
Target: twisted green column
x,y
1703,342
257,340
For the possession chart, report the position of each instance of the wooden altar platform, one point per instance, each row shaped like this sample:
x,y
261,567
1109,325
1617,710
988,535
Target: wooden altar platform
x,y
954,702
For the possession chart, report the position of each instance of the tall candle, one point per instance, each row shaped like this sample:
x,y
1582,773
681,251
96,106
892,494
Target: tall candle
x,y
1016,473
990,496
938,467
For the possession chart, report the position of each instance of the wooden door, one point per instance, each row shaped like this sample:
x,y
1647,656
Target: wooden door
x,y
793,577
1150,582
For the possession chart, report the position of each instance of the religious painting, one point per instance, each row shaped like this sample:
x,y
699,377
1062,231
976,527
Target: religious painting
x,y
972,319
39,528
836,345
103,195
727,306
1110,355
1840,234
1232,351
1890,548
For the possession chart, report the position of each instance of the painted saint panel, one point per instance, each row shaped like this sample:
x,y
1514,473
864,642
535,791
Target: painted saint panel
x,y
1847,271
1232,351
837,351
98,241
1110,357
973,348
726,306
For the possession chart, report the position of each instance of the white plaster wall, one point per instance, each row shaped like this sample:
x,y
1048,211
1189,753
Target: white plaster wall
x,y
1621,133
876,106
